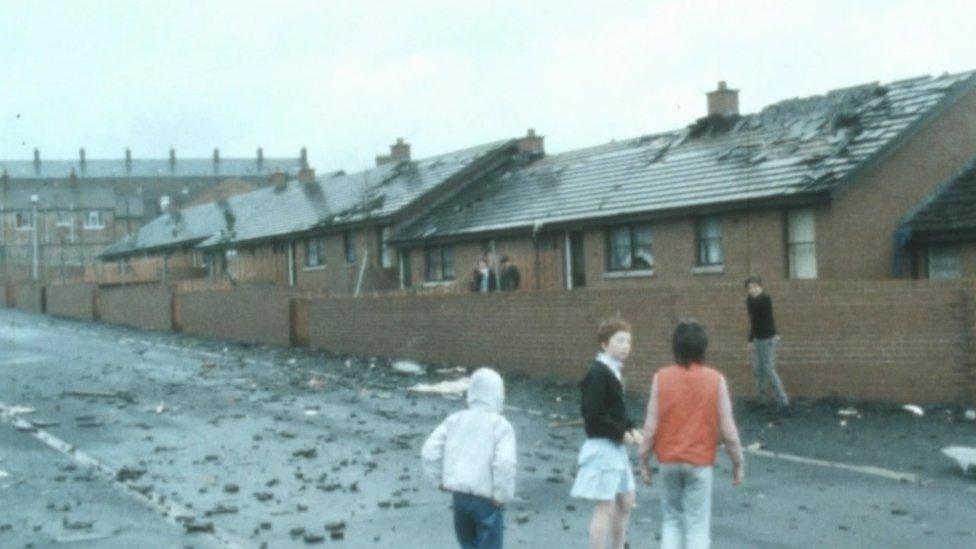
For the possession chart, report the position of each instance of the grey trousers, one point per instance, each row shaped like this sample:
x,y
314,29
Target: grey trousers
x,y
686,506
764,370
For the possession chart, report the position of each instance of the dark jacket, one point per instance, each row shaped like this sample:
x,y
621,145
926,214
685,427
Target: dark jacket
x,y
510,279
761,323
603,407
476,281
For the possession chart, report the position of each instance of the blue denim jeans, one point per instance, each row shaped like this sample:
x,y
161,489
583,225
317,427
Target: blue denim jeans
x,y
686,506
478,524
764,370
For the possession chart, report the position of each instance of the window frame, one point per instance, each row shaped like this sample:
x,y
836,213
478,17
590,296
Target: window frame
x,y
60,222
792,246
101,219
317,243
702,241
19,224
441,252
632,229
956,251
385,250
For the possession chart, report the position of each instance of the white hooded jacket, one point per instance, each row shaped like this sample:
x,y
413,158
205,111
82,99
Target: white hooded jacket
x,y
473,451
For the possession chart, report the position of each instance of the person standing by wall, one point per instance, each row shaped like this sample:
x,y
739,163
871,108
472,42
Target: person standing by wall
x,y
763,341
483,277
510,278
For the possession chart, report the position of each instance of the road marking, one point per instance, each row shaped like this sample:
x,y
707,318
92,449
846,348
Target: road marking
x,y
163,505
864,469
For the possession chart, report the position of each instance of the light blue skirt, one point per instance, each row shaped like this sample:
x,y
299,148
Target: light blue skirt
x,y
604,471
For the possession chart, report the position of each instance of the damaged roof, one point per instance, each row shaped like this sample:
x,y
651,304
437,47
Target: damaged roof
x,y
295,207
149,168
791,148
18,197
950,210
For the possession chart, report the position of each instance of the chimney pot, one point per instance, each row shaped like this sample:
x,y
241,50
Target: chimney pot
x,y
216,155
81,157
532,144
128,161
260,157
400,151
723,101
303,157
37,161
172,159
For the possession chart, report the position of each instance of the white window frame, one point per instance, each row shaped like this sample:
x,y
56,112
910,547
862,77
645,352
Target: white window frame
x,y
635,249
101,219
801,244
704,239
60,221
388,254
317,242
949,264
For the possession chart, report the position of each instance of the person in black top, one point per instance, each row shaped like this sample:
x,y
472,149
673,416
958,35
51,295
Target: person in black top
x,y
509,279
762,343
604,474
483,277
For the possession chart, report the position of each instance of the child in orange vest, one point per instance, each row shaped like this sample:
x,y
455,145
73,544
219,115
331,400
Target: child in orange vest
x,y
689,410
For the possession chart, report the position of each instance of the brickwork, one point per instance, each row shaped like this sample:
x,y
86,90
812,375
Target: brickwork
x,y
147,306
72,301
896,341
29,297
249,315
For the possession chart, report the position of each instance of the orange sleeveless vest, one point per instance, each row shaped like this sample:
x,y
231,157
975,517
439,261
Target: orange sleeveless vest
x,y
687,411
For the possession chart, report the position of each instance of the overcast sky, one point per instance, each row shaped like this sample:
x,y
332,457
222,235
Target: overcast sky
x,y
346,79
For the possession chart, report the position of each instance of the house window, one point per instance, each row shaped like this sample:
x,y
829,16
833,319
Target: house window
x,y
388,257
440,263
629,248
315,252
801,239
944,262
64,219
709,234
25,220
94,219
349,246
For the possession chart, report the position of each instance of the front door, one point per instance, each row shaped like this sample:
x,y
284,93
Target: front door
x,y
577,259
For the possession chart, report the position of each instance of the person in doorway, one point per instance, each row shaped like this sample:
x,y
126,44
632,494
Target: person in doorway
x,y
483,278
688,412
509,278
472,455
604,475
763,341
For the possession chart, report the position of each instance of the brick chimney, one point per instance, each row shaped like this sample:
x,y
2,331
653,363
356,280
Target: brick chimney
x,y
37,162
723,101
303,157
532,144
128,161
399,152
73,177
81,160
172,159
279,179
216,159
306,175
260,158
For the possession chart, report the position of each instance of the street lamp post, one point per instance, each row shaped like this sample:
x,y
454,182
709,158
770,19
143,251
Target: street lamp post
x,y
34,223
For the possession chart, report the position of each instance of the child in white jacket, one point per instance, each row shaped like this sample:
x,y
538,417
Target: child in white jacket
x,y
472,454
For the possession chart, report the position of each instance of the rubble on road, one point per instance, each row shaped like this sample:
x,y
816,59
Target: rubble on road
x,y
408,367
964,456
455,387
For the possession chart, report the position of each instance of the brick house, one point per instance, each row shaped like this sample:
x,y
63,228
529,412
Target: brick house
x,y
85,205
328,233
806,188
939,236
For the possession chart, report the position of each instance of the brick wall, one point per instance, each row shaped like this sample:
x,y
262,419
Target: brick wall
x,y
148,307
73,301
901,341
249,315
29,297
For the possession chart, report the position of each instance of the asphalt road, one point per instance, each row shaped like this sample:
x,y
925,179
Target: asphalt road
x,y
132,439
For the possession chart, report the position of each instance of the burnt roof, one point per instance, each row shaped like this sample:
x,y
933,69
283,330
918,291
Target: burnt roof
x,y
155,168
796,147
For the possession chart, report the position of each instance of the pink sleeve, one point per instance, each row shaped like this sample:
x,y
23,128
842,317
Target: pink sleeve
x,y
650,423
727,429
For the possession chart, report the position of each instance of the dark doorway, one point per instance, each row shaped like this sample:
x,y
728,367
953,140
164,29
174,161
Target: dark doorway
x,y
406,276
577,259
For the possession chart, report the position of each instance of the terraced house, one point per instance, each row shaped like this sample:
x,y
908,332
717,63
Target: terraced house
x,y
806,188
328,233
56,216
